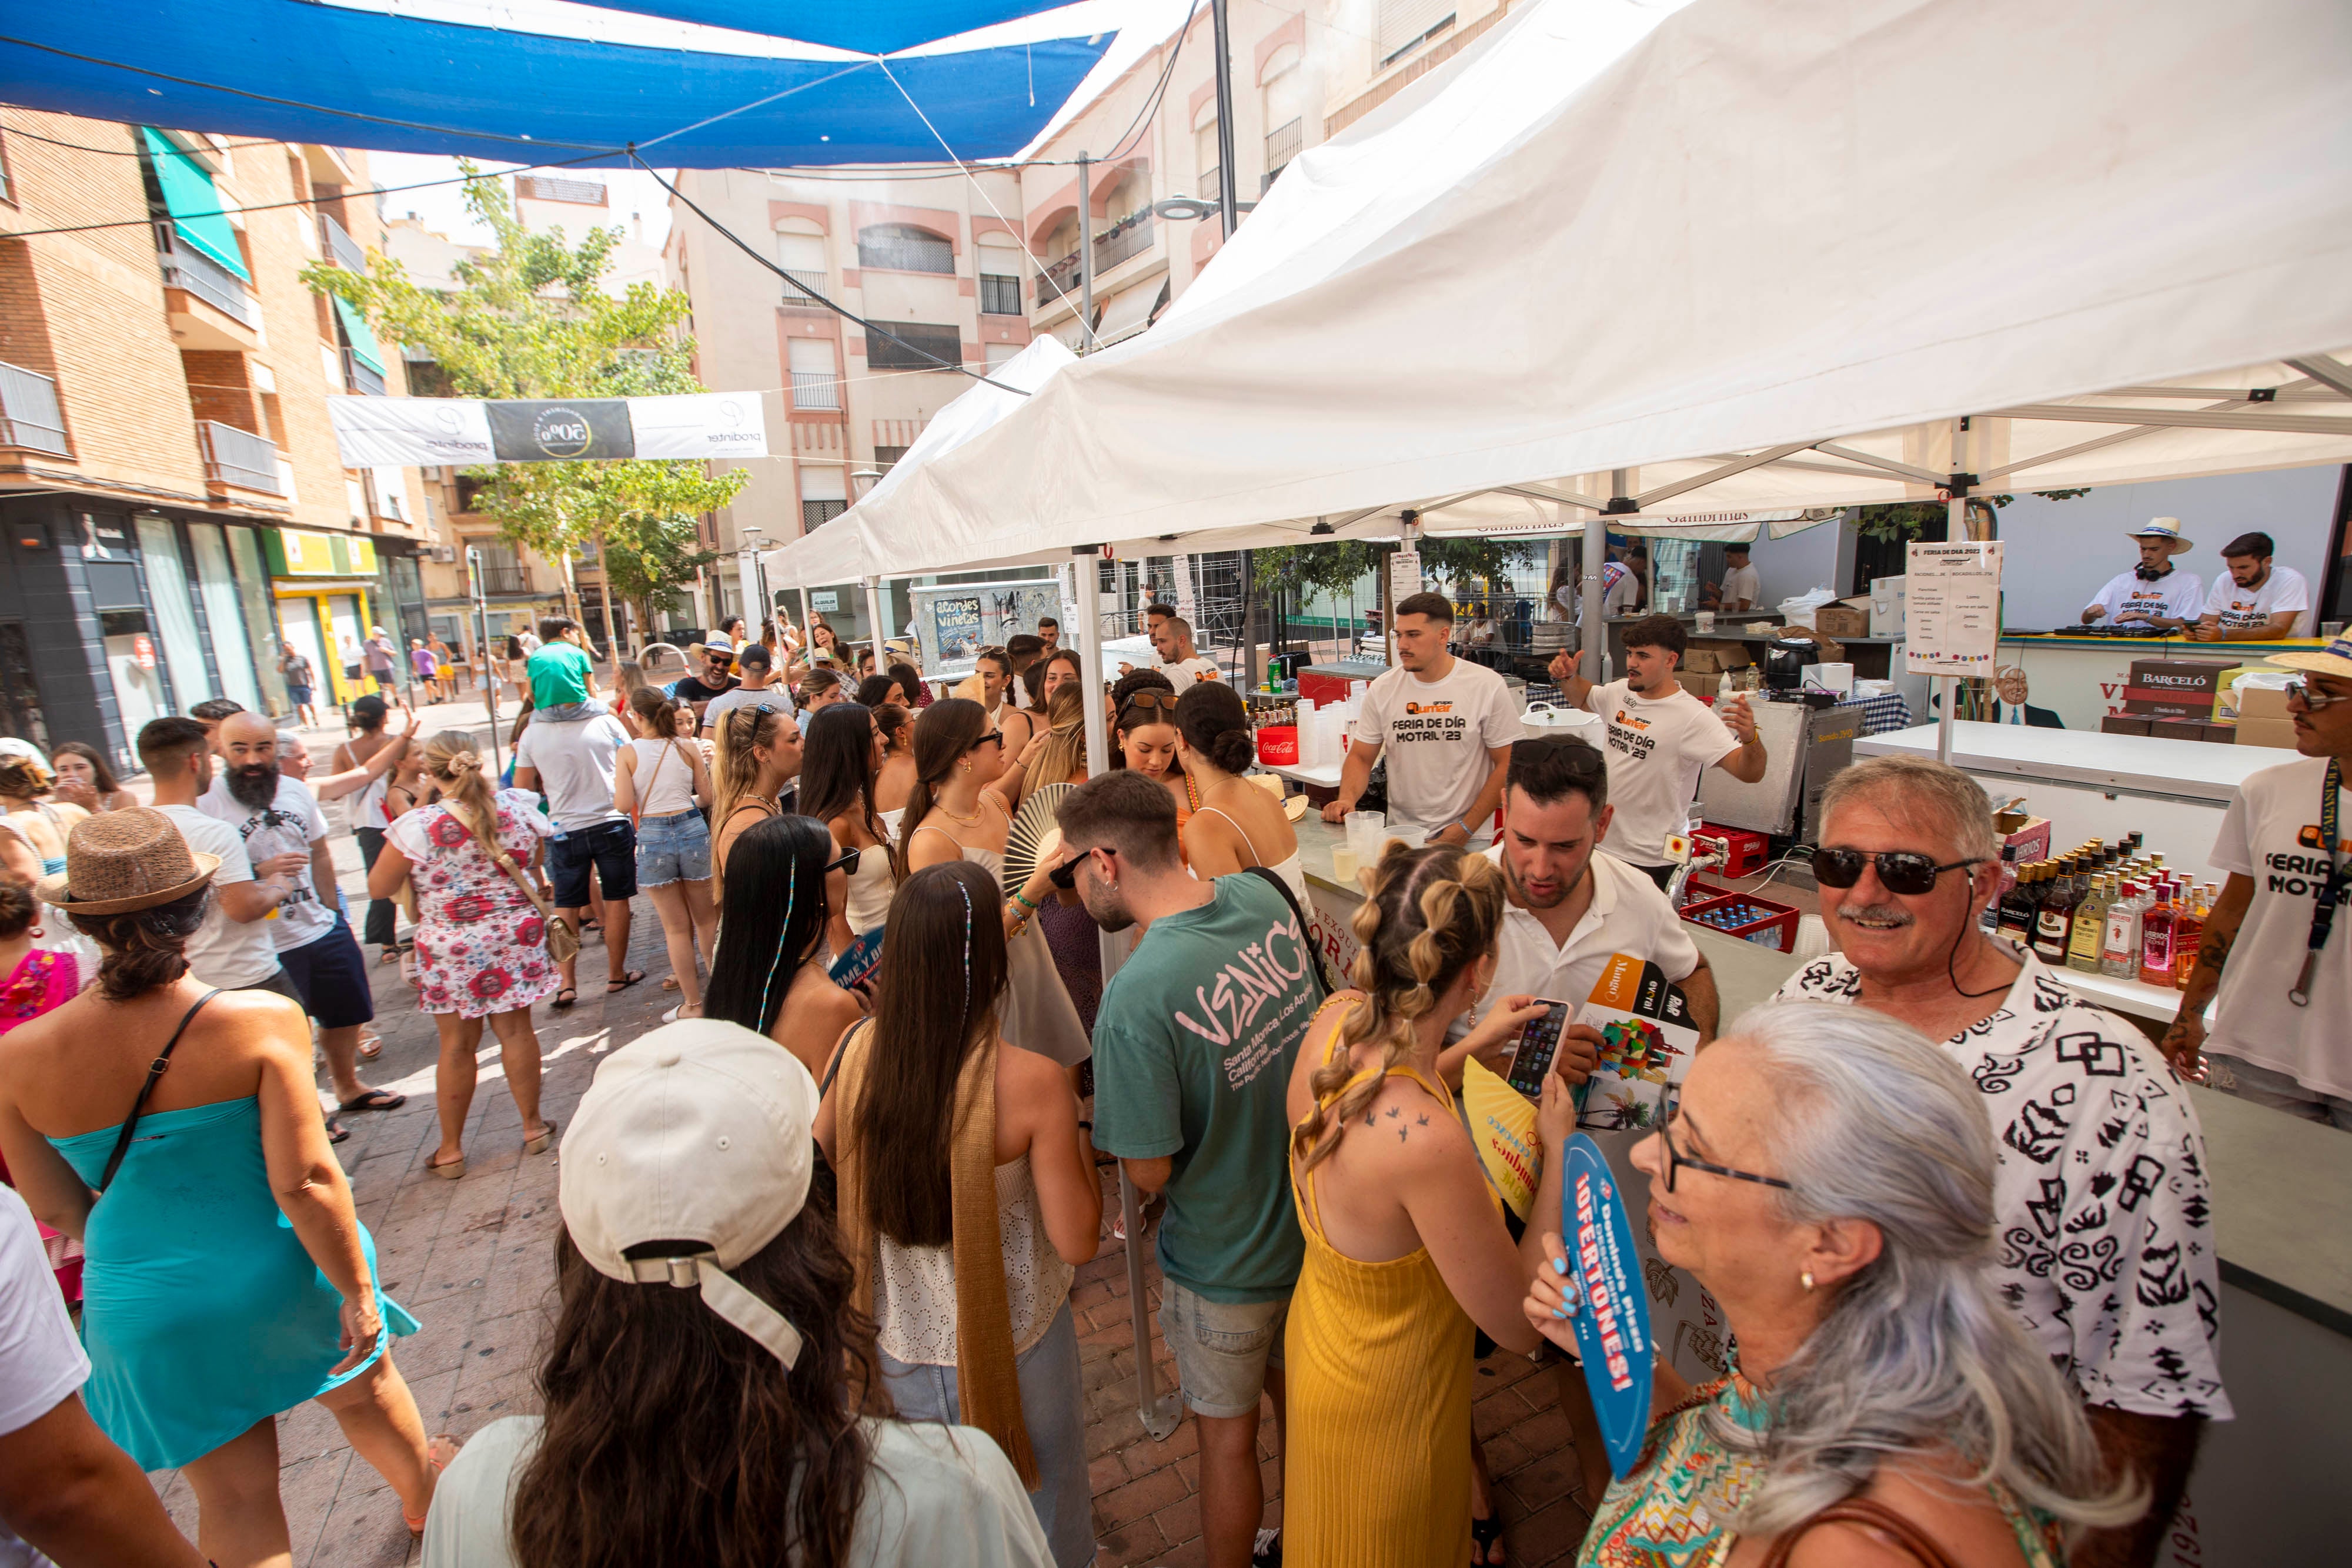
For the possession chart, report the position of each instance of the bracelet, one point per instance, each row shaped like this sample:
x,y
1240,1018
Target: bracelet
x,y
1022,899
1089,1126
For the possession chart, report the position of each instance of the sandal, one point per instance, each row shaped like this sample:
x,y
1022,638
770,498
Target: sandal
x,y
565,996
1485,1534
447,1170
336,1131
371,1043
540,1144
669,982
374,1100
627,978
438,1451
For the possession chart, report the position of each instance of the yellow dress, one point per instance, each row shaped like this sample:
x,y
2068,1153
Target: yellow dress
x,y
1377,1364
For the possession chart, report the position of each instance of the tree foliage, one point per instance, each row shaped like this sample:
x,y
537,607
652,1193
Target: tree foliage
x,y
1911,520
1337,565
530,317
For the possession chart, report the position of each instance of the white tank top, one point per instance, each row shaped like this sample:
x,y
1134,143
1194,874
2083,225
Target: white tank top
x,y
870,887
914,1287
663,777
1293,872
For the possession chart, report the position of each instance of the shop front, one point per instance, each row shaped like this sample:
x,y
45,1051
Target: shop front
x,y
323,588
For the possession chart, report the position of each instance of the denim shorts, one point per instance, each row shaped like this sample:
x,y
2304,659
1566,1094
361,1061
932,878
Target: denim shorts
x,y
672,849
609,848
1222,1348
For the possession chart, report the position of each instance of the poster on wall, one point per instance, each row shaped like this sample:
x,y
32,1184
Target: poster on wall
x,y
953,622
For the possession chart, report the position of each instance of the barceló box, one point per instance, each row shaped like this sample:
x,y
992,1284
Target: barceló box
x,y
2174,688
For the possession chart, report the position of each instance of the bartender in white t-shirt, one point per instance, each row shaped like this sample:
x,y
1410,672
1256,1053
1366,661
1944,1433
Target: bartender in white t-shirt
x,y
2154,593
1742,589
2258,602
1446,726
1660,739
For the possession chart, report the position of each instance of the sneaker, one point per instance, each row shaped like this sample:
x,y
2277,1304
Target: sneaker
x,y
1268,1551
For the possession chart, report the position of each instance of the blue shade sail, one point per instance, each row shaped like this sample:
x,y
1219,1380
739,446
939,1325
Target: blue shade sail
x,y
868,26
193,203
290,71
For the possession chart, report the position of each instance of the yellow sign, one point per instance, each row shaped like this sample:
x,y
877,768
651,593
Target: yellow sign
x,y
297,554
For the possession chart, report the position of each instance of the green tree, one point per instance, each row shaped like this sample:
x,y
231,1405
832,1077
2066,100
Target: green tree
x,y
530,317
1293,574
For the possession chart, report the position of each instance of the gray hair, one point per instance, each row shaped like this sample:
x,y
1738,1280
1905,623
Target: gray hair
x,y
1921,782
1915,1352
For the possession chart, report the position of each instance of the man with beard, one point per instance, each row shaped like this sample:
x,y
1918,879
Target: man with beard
x,y
276,816
2152,594
2101,1207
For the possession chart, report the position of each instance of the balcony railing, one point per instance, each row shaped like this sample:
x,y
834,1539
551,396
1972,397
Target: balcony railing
x,y
815,389
240,457
815,282
186,268
1207,190
1281,146
341,247
29,415
1129,237
358,378
1059,278
999,295
506,579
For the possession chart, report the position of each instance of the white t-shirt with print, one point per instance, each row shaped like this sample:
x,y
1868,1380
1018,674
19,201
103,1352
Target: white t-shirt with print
x,y
1743,583
1434,735
2270,835
227,952
2246,609
2102,1208
1628,914
1656,747
1184,672
292,821
2177,595
41,1359
575,764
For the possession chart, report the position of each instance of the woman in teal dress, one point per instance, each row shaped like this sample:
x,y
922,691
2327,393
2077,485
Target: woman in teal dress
x,y
228,1278
1828,1176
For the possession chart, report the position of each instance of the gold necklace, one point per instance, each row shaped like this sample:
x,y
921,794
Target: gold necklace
x,y
970,821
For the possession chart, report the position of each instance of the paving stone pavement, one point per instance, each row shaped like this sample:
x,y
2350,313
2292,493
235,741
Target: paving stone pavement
x,y
473,1260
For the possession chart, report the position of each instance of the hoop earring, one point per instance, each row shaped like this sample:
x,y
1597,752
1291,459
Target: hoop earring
x,y
1806,1279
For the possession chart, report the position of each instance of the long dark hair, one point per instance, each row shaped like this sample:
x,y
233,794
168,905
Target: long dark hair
x,y
932,1008
656,711
1214,722
837,766
909,679
145,948
946,729
892,718
876,690
671,1435
102,777
772,920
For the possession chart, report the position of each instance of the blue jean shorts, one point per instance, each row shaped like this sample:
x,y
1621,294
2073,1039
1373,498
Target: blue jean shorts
x,y
672,849
608,849
1222,1348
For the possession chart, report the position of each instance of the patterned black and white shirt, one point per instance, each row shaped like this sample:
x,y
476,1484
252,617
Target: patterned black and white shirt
x,y
2103,1209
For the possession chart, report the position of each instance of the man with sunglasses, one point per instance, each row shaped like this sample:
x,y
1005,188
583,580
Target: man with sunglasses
x,y
699,689
2104,1243
2270,947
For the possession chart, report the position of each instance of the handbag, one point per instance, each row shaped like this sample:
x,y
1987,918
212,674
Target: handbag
x,y
563,942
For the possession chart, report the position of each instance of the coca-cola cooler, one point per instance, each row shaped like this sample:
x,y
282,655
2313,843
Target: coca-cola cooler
x,y
1320,684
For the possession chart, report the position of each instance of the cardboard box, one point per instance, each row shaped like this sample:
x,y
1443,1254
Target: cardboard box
x,y
1702,683
2176,729
1842,621
2259,702
2123,723
2266,732
2174,688
1715,656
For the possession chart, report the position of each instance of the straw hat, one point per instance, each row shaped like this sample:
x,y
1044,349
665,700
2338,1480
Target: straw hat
x,y
2167,529
2336,659
117,862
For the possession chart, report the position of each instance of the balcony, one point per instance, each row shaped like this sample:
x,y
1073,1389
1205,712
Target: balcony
x,y
240,457
29,415
358,378
1124,240
915,346
815,389
999,295
505,579
1282,145
339,246
1059,278
1207,190
193,273
816,283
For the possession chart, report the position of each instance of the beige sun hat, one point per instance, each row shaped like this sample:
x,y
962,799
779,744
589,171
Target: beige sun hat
x,y
2167,529
2336,659
117,862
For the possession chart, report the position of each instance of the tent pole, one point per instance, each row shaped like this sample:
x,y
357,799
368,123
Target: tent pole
x,y
1956,527
747,561
1593,641
877,629
1159,1415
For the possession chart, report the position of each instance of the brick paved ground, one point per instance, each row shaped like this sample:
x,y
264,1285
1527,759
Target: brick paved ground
x,y
473,1260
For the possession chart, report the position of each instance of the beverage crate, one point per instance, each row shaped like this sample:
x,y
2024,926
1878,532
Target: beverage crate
x,y
1748,851
1741,915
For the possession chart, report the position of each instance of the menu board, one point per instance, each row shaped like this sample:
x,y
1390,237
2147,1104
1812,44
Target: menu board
x,y
1954,616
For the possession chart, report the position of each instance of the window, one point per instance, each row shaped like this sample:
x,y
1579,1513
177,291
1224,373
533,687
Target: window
x,y
1283,98
887,457
803,256
999,279
1402,23
919,346
816,383
902,247
1205,156
824,496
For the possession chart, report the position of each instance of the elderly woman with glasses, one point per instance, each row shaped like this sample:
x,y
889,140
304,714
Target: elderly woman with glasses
x,y
1828,1176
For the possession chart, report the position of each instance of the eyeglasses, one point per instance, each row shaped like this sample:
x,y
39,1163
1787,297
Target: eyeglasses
x,y
1160,701
1899,871
847,863
1066,875
993,738
2310,696
1676,1158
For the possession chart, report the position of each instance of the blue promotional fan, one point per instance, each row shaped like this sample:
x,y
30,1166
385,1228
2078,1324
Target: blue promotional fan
x,y
1612,1327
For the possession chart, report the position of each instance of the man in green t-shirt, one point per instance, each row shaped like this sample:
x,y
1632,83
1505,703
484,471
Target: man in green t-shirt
x,y
1193,1045
563,673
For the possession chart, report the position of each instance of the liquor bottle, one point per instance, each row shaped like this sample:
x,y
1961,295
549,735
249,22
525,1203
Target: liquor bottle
x,y
2119,952
2156,936
2020,904
2090,933
2053,922
2188,931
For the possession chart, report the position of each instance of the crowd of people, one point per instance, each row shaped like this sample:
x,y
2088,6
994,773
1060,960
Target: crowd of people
x,y
820,1225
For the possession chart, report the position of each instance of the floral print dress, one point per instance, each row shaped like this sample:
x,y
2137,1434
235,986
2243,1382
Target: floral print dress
x,y
482,948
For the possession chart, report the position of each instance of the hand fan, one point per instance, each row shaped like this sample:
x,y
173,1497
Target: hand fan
x,y
1612,1324
1034,836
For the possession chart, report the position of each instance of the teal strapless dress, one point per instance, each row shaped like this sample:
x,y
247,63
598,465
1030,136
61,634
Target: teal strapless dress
x,y
201,1312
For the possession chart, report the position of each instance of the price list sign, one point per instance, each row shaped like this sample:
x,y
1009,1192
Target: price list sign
x,y
1953,623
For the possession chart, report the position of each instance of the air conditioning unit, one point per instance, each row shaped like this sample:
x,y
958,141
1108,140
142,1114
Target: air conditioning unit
x,y
444,553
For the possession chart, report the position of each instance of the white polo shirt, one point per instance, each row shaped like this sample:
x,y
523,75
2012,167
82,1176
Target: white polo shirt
x,y
1628,915
2247,609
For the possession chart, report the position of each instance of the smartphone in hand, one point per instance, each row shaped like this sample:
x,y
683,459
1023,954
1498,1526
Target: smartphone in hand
x,y
1539,1043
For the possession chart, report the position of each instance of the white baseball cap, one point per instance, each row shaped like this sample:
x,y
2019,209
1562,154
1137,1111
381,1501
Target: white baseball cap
x,y
698,1132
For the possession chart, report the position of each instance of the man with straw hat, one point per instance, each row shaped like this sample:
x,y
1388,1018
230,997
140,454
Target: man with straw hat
x,y
2270,947
2152,593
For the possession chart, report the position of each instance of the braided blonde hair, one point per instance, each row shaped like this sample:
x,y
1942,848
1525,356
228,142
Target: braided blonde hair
x,y
1432,913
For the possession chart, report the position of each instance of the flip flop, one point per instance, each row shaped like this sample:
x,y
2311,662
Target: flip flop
x,y
628,979
370,1047
336,1131
438,1451
565,996
669,982
374,1100
1485,1534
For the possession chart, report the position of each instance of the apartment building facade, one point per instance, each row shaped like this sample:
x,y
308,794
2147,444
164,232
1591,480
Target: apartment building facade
x,y
176,512
936,257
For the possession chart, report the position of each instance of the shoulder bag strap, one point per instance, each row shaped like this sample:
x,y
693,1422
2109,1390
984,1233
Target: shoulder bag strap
x,y
644,792
1906,1536
841,1054
155,1070
1305,927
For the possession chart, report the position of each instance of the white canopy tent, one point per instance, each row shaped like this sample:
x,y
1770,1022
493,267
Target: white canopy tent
x,y
1765,258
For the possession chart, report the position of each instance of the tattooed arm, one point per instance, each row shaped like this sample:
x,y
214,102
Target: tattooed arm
x,y
2186,1038
2160,1449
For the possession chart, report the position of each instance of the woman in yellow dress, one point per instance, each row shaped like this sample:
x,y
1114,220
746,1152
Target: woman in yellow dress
x,y
1406,1248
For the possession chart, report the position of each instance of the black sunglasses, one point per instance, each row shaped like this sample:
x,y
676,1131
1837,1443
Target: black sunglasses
x,y
994,738
1899,871
1676,1158
848,862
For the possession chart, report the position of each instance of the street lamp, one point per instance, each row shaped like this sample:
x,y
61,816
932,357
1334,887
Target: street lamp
x,y
1185,209
865,479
